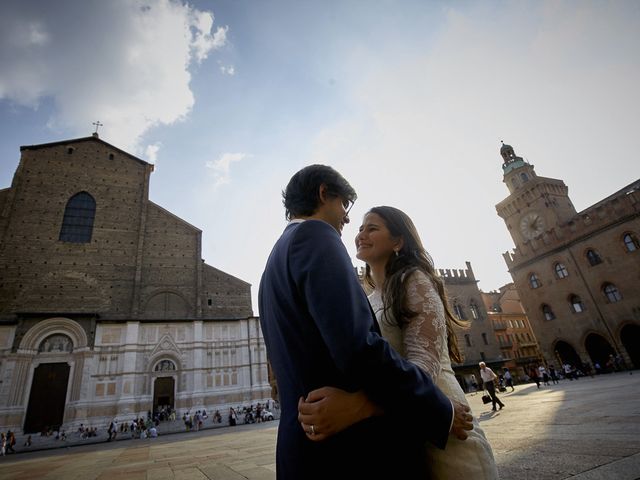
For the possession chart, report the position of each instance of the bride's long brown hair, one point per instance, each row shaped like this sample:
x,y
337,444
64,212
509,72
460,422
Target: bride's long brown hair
x,y
411,257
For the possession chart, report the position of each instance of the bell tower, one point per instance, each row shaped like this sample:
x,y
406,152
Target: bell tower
x,y
535,204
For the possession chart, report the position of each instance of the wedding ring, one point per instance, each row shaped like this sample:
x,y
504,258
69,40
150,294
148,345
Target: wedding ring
x,y
313,430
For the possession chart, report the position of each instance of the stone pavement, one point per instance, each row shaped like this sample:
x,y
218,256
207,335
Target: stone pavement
x,y
581,430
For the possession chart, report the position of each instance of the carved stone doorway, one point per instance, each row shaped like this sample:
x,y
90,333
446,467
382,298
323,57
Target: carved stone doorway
x,y
47,398
163,393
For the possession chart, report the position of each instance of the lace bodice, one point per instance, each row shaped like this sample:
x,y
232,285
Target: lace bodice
x,y
423,340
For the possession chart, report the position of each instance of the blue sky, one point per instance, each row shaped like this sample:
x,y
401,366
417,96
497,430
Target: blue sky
x,y
408,99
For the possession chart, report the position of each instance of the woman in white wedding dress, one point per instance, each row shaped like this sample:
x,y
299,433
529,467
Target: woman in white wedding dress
x,y
409,301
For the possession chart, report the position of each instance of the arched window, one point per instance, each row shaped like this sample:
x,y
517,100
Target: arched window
x,y
77,224
576,304
475,313
561,270
524,177
467,339
485,339
611,292
593,257
533,281
457,308
631,242
547,312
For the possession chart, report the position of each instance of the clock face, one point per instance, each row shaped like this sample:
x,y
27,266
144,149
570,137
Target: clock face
x,y
531,225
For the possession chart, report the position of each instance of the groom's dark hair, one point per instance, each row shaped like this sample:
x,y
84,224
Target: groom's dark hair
x,y
301,197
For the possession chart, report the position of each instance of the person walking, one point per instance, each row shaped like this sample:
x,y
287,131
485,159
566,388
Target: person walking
x,y
508,378
319,330
488,379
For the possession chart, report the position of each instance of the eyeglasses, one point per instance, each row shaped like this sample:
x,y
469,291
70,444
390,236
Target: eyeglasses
x,y
347,205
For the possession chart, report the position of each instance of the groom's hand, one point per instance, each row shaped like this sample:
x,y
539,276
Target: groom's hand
x,y
462,420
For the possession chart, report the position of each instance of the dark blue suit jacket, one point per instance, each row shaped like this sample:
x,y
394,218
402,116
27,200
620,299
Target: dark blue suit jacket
x,y
319,330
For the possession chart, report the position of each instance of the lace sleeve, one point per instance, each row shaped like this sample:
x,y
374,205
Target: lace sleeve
x,y
425,334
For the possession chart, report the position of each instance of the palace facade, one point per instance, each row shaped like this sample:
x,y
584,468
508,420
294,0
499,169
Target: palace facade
x,y
107,309
576,273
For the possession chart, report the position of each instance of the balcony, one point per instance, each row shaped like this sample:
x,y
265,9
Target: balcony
x,y
497,326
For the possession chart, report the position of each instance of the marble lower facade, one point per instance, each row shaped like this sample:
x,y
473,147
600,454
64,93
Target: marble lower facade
x,y
56,379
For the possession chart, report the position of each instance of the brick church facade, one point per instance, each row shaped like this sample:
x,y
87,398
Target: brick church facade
x,y
107,309
577,273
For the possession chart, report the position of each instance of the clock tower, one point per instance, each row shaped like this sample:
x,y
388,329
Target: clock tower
x,y
535,204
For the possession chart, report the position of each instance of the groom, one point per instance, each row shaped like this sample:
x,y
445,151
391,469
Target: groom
x,y
319,330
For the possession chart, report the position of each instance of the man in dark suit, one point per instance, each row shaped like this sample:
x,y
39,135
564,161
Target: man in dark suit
x,y
319,330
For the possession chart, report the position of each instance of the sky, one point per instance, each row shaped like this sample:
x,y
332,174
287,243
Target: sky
x,y
409,100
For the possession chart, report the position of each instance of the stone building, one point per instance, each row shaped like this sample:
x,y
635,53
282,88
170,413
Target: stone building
x,y
577,273
107,309
477,342
512,330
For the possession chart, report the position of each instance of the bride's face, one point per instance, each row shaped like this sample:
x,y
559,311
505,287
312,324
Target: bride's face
x,y
374,242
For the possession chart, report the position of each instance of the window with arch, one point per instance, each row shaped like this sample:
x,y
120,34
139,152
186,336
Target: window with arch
x,y
593,257
547,312
77,224
534,282
611,292
467,339
457,308
576,304
561,270
514,182
524,177
475,313
164,366
630,242
485,339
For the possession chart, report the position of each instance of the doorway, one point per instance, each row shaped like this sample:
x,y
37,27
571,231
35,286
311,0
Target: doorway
x,y
630,337
47,398
598,349
565,353
163,393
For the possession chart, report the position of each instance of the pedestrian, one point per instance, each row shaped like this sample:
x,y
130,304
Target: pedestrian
x,y
233,417
11,441
415,318
3,444
533,374
543,375
508,378
488,379
319,330
568,371
553,374
27,443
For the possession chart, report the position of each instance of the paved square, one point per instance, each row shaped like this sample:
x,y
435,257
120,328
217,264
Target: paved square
x,y
584,430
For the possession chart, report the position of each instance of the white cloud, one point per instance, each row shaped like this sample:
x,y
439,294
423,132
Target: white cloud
x,y
126,62
222,167
230,70
151,152
425,127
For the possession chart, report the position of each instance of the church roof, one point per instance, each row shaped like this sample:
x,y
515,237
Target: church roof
x,y
93,138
